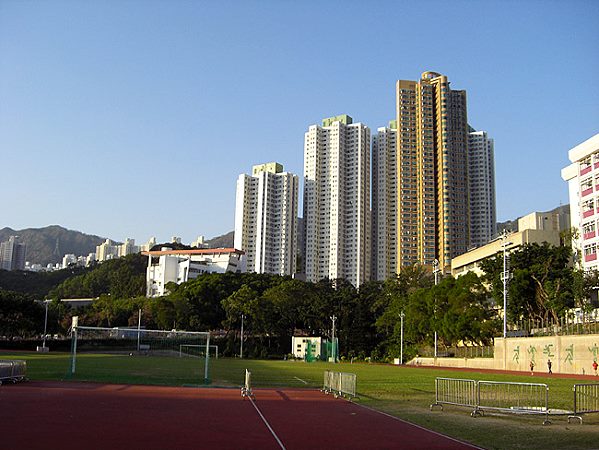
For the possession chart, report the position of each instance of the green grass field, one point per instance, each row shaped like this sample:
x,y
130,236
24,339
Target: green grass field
x,y
405,392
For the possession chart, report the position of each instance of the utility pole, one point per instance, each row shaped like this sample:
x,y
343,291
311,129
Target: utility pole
x,y
333,349
401,316
505,277
241,349
45,324
436,270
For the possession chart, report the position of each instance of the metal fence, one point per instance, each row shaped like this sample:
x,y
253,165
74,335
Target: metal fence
x,y
340,384
12,370
246,389
586,400
519,398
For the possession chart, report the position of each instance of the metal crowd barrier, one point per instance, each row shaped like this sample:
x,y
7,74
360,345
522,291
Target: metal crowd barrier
x,y
12,370
586,400
519,398
246,390
340,384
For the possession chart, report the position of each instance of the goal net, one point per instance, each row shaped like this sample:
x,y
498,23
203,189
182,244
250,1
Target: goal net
x,y
139,356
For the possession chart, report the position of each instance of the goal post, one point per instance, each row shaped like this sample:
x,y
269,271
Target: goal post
x,y
191,350
138,355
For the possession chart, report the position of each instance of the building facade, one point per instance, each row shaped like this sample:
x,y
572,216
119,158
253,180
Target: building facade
x,y
266,219
337,201
179,266
432,172
12,254
481,185
384,202
583,186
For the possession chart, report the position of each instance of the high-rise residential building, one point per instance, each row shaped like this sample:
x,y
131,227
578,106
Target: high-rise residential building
x,y
481,185
266,219
337,201
432,171
128,248
583,185
107,250
384,201
12,254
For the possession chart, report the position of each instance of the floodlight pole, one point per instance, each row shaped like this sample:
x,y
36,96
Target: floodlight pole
x,y
401,316
241,349
45,323
436,273
505,277
138,327
333,349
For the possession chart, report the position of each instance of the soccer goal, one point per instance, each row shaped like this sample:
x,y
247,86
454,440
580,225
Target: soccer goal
x,y
137,355
197,351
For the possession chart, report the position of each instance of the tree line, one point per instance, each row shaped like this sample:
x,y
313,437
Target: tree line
x,y
464,310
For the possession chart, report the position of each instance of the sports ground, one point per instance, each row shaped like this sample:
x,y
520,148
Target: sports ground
x,y
101,409
99,416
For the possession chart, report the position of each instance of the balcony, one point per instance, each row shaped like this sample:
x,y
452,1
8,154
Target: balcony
x,y
585,170
588,213
587,191
589,235
591,257
596,165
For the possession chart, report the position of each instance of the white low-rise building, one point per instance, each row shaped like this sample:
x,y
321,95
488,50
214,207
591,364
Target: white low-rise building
x,y
179,266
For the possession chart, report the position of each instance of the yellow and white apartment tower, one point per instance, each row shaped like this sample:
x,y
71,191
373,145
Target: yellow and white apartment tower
x,y
337,201
266,219
481,185
432,172
384,201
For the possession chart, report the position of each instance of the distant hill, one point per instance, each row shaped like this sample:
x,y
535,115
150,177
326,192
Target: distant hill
x,y
41,242
224,241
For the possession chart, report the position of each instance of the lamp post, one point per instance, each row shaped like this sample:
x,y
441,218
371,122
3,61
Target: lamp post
x,y
401,316
333,349
505,278
436,270
241,349
45,324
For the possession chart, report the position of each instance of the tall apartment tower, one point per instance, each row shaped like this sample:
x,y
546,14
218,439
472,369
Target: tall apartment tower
x,y
384,202
266,219
12,254
337,201
432,171
481,185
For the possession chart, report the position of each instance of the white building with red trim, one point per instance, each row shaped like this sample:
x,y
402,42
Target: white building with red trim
x,y
583,185
179,266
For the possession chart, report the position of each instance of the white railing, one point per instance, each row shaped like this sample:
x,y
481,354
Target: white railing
x,y
12,370
586,400
340,384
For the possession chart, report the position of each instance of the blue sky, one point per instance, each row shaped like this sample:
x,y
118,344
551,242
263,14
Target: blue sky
x,y
134,118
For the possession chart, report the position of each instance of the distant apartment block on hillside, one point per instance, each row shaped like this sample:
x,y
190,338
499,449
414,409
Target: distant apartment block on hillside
x,y
266,219
583,185
12,254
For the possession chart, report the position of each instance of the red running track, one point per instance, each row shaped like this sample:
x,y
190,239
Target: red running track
x,y
64,416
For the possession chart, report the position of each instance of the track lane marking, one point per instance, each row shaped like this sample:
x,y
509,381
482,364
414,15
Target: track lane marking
x,y
267,424
305,382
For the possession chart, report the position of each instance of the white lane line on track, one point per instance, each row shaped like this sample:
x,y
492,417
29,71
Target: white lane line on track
x,y
268,425
417,426
305,382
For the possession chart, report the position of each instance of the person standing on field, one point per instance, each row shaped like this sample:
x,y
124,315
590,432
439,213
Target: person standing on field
x,y
595,367
549,365
532,367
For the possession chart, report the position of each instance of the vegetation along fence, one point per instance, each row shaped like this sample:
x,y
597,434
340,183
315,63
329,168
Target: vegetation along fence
x,y
340,384
12,370
519,398
586,400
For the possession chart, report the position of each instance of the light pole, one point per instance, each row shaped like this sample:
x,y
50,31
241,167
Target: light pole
x,y
436,270
45,324
333,349
401,316
241,349
505,277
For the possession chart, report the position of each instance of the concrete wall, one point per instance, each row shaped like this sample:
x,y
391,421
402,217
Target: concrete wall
x,y
568,354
